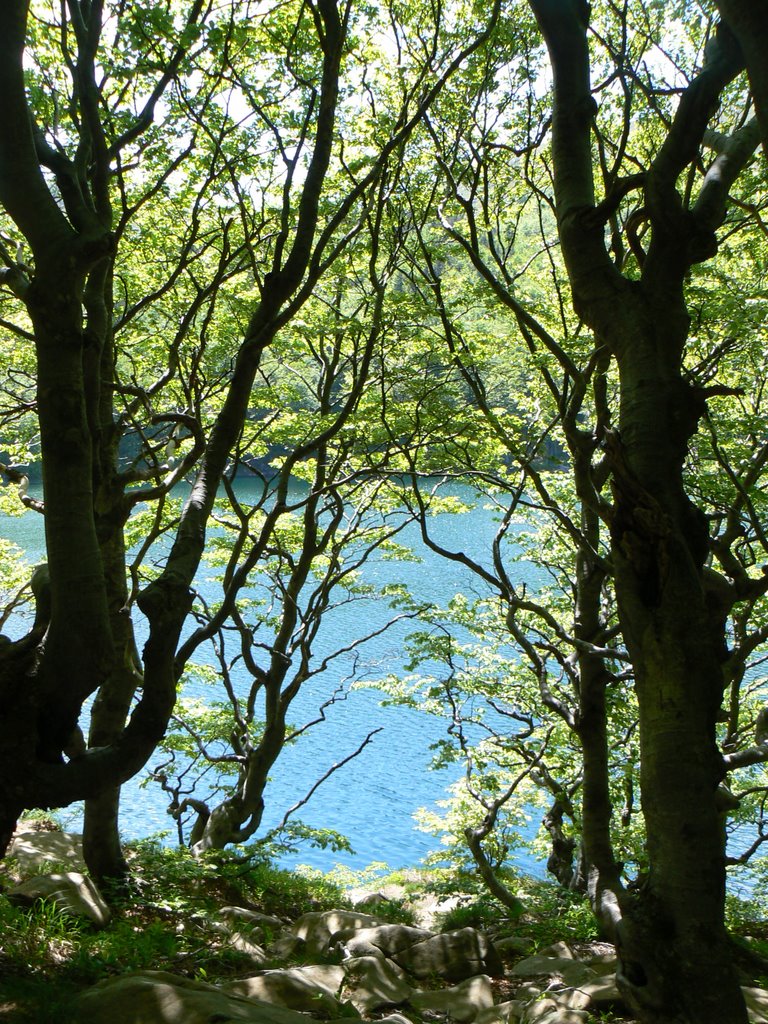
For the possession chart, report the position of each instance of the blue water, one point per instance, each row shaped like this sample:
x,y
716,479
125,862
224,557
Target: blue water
x,y
373,799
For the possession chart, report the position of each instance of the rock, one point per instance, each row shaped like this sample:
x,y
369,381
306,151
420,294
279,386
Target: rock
x,y
374,982
297,988
72,892
537,1010
241,942
573,973
557,1015
363,899
453,955
502,1013
244,929
316,928
463,1002
429,908
155,997
35,850
603,994
388,940
601,957
262,924
530,990
550,1011
558,949
757,1004
286,946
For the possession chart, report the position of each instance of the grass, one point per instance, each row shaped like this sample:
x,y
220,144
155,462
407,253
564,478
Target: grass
x,y
166,920
163,922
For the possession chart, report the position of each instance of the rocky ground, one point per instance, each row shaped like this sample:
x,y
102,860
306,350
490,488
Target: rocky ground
x,y
341,964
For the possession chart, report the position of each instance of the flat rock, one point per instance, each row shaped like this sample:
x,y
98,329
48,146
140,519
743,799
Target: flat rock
x,y
35,850
453,955
242,942
603,993
388,940
573,973
509,1012
757,1004
315,929
558,949
463,1001
263,924
155,997
297,988
374,982
550,1011
244,930
72,892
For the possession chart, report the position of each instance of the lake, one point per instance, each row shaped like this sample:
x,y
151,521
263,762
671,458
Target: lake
x,y
373,799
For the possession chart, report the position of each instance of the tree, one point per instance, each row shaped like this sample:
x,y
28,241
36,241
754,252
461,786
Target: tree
x,y
671,618
290,550
88,158
666,519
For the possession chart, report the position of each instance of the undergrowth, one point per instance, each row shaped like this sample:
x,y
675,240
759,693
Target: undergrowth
x,y
166,919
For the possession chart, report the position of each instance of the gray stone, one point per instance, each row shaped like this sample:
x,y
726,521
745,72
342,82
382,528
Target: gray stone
x,y
244,929
573,973
155,997
287,945
362,899
529,990
453,955
558,949
263,924
603,993
384,940
297,988
551,1011
757,1004
561,1015
463,1001
509,1012
374,982
240,941
538,1009
72,892
316,928
36,850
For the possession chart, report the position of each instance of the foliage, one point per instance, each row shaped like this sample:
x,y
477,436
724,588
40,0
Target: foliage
x,y
552,912
264,263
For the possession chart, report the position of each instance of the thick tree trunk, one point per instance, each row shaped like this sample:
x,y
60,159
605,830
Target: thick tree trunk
x,y
78,647
18,722
676,962
675,952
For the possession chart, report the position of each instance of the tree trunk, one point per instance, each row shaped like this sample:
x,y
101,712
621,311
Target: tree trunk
x,y
676,964
603,874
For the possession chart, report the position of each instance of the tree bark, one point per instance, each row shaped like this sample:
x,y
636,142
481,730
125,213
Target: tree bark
x,y
748,20
604,885
676,964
